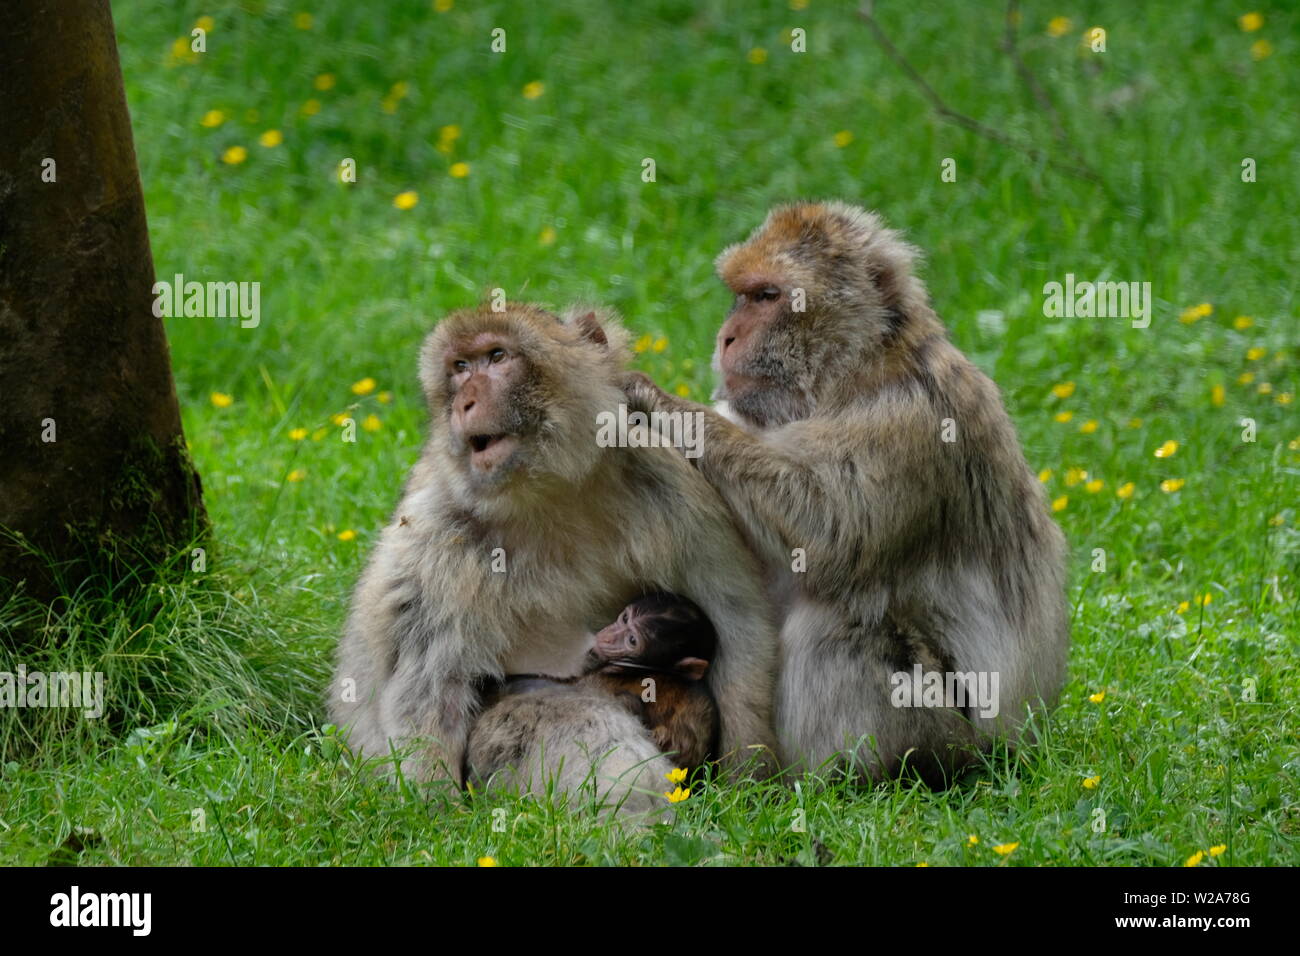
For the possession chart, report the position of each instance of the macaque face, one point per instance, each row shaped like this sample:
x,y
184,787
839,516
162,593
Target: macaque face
x,y
490,417
655,633
760,352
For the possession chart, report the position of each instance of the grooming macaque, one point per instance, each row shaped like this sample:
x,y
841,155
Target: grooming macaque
x,y
518,534
651,659
878,475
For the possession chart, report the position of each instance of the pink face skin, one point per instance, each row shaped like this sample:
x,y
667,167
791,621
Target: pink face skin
x,y
482,372
623,638
758,303
631,638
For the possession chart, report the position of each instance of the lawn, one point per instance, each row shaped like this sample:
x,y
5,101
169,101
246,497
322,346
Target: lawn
x,y
1176,738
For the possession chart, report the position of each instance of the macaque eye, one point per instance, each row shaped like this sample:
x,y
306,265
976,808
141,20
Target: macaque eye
x,y
496,355
631,641
769,294
460,365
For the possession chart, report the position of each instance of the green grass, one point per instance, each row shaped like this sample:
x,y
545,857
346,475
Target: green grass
x,y
225,670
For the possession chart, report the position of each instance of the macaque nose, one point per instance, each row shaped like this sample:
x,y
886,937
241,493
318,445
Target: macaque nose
x,y
726,342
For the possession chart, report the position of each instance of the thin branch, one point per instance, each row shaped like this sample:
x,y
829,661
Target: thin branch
x,y
1079,169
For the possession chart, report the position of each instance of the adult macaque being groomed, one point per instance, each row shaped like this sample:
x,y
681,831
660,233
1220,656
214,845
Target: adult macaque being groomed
x,y
652,659
876,471
518,535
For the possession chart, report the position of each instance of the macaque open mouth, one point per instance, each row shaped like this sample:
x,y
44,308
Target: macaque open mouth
x,y
487,451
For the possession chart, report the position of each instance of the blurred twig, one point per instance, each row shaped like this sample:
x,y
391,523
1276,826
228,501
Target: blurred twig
x,y
1079,168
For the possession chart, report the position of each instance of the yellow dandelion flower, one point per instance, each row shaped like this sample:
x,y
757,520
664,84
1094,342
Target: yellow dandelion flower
x,y
1182,607
757,56
347,535
547,236
1196,312
1255,354
363,387
296,475
442,6
338,418
234,155
677,775
1005,849
1294,444
1167,450
1276,521
1060,503
1242,322
683,390
459,170
1261,50
1059,26
371,423
1170,485
1063,390
384,397
534,89
1195,859
324,82
222,400
1091,783
1135,423
643,343
678,795
1204,599
1245,378
661,343
1089,426
1250,22
1125,491
1094,486
1097,698
1045,475
303,21
271,138
212,119
483,860
921,864
205,23
297,434
311,107
1217,396
399,90
1063,417
450,133
1218,850
406,200
319,433
1265,388
972,840
843,138
1285,398
1074,475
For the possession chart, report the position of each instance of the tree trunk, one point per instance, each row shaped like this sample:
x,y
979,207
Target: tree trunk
x,y
94,470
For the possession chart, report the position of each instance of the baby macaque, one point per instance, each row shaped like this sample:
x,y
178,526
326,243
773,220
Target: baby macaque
x,y
652,659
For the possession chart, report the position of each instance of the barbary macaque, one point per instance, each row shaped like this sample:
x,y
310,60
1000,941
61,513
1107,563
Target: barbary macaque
x,y
881,481
516,536
652,659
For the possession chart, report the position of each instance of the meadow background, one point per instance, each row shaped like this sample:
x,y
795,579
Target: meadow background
x,y
522,170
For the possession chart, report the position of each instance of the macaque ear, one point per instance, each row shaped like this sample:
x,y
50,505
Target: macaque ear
x,y
591,329
692,668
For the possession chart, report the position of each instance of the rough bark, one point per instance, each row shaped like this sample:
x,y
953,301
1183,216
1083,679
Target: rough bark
x,y
79,345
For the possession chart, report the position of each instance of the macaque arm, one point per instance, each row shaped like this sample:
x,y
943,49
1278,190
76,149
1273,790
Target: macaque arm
x,y
821,484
